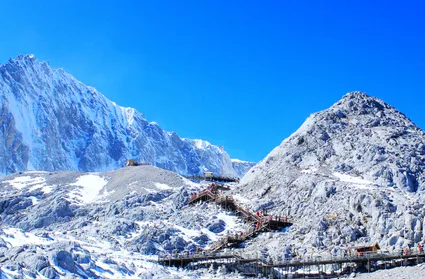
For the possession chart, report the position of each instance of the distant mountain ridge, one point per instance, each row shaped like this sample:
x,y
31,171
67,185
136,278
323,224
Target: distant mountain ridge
x,y
50,121
242,167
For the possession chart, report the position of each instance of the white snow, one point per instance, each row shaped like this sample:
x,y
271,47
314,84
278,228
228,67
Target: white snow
x,y
47,189
231,221
16,237
89,187
129,112
24,181
19,182
34,200
201,144
309,171
359,182
239,161
162,186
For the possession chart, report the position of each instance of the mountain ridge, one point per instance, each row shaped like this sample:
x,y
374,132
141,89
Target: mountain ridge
x,y
52,122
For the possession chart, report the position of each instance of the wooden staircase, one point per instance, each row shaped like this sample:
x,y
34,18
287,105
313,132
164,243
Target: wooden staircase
x,y
259,221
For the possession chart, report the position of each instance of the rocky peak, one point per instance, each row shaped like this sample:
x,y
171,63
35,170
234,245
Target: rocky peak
x,y
361,161
361,103
359,109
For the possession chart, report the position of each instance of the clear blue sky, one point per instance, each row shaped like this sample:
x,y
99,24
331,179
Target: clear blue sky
x,y
243,74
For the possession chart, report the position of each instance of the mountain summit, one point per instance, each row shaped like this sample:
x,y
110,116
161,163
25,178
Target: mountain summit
x,y
351,173
51,121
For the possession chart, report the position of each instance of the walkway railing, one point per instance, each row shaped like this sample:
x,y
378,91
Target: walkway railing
x,y
261,222
287,262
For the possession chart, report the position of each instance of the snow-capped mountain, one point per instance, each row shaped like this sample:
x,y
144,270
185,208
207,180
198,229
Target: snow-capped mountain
x,y
241,167
51,121
353,173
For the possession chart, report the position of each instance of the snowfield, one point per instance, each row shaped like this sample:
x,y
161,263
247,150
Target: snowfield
x,y
89,187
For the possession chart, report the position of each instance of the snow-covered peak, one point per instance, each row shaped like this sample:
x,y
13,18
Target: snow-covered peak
x,y
24,58
54,122
201,144
239,161
242,167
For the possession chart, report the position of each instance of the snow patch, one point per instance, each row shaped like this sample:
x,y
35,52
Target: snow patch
x,y
16,238
89,187
201,144
355,181
309,171
34,200
162,186
19,182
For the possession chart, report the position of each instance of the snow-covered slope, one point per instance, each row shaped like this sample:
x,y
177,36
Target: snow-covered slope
x,y
353,173
103,225
50,121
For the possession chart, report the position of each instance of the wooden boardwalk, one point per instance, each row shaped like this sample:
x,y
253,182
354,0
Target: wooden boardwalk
x,y
331,267
260,223
214,178
307,268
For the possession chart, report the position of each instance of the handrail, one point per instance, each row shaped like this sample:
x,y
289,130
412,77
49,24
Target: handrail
x,y
372,256
262,222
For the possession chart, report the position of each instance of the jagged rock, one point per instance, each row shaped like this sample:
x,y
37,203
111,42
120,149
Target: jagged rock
x,y
37,262
354,167
48,272
64,260
53,122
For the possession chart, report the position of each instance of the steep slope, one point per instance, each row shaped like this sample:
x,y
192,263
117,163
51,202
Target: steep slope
x,y
50,121
352,173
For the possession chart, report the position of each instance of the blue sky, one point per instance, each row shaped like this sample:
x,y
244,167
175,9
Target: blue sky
x,y
243,74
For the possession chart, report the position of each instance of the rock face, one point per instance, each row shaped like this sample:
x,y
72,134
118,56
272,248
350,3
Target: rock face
x,y
241,167
50,121
353,173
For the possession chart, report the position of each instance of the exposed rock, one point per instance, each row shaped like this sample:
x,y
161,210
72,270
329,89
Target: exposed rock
x,y
357,167
50,121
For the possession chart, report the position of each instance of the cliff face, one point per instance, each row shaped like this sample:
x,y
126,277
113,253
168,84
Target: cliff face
x,y
242,167
51,121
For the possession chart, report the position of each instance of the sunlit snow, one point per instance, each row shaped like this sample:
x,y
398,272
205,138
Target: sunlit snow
x,y
89,188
